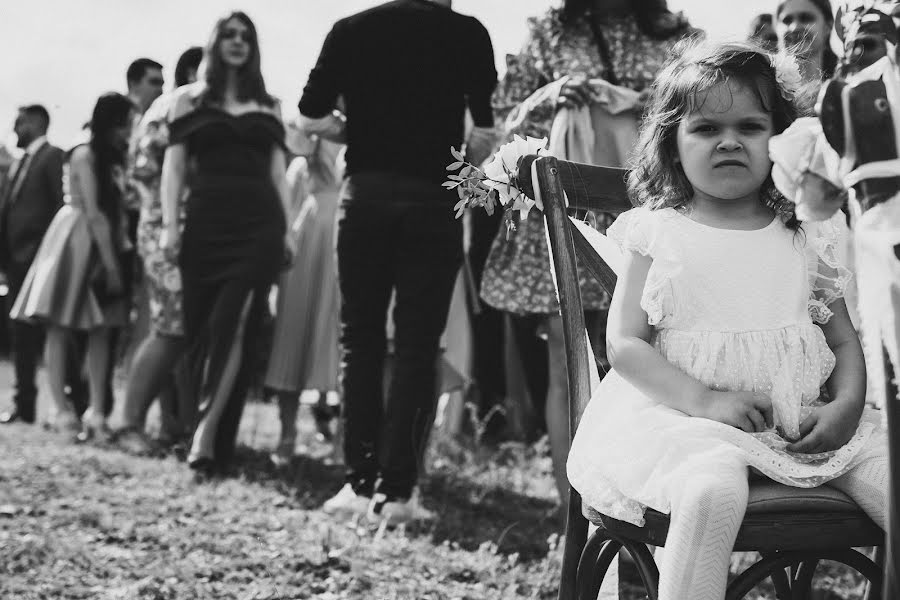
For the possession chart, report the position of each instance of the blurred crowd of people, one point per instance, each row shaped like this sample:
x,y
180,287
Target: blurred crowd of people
x,y
155,244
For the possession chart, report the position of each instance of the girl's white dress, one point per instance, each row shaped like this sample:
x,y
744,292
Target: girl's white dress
x,y
736,310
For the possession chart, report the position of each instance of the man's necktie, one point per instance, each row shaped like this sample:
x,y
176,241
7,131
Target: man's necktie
x,y
19,177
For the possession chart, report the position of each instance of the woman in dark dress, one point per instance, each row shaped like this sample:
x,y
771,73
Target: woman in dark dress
x,y
227,149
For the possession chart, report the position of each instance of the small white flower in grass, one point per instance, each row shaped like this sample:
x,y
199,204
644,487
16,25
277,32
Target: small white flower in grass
x,y
787,74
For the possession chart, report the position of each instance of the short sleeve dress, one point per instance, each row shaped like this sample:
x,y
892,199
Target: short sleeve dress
x,y
65,283
738,311
163,276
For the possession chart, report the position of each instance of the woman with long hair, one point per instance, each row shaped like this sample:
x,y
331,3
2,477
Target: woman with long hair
x,y
804,28
624,43
75,282
304,353
235,240
151,372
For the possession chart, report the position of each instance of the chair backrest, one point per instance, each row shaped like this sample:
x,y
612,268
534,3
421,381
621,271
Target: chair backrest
x,y
563,185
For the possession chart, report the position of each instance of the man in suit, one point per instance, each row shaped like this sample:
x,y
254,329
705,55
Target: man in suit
x,y
28,201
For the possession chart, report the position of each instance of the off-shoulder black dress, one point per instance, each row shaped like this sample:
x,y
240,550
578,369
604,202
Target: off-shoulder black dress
x,y
232,249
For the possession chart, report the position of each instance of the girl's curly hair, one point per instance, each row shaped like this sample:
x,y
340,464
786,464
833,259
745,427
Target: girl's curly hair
x,y
658,180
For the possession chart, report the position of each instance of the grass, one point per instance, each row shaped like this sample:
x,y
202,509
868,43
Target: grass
x,y
90,522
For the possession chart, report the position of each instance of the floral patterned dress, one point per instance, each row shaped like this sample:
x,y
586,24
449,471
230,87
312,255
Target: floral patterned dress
x,y
162,274
517,275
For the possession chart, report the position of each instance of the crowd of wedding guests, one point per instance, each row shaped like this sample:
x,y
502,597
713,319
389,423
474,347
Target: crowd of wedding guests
x,y
166,229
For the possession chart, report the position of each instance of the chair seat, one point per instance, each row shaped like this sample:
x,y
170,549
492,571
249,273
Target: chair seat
x,y
779,517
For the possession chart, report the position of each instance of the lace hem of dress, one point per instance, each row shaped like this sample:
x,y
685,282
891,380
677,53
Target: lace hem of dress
x,y
789,365
764,453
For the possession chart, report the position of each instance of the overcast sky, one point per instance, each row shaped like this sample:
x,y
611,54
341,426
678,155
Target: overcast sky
x,y
65,53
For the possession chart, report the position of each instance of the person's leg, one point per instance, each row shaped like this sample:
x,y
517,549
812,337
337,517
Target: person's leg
x,y
426,265
98,364
183,387
288,406
867,484
151,372
55,359
26,341
365,251
533,357
26,345
708,503
227,328
170,423
557,406
323,414
75,380
487,321
248,367
112,342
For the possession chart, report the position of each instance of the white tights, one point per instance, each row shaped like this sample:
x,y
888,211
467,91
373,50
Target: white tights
x,y
708,506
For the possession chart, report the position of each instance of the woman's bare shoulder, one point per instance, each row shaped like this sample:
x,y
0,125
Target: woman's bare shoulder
x,y
81,156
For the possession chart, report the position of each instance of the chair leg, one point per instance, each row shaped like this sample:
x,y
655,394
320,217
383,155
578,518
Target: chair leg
x,y
878,559
576,536
646,566
802,585
773,566
598,554
782,584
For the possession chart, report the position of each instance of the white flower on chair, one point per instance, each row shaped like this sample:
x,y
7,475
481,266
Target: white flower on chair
x,y
495,183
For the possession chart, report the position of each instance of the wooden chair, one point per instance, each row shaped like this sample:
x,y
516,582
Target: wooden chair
x,y
792,528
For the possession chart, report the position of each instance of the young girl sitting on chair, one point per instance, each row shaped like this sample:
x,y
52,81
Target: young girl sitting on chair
x,y
727,319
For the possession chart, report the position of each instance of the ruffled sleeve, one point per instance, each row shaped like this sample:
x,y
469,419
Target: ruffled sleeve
x,y
642,230
634,230
828,278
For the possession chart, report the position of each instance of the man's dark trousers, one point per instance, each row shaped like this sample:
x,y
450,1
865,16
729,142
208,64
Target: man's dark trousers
x,y
395,234
27,344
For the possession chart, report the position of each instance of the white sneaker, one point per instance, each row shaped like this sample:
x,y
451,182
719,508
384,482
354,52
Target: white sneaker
x,y
396,512
346,503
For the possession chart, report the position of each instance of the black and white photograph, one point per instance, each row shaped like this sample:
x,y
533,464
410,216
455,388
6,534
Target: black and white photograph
x,y
450,300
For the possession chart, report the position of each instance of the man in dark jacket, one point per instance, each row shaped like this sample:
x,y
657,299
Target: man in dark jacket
x,y
29,199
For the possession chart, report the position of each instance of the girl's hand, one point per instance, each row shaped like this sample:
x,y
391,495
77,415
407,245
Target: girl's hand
x,y
827,428
576,92
750,411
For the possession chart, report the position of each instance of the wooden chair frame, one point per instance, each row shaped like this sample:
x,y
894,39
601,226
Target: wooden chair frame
x,y
791,541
